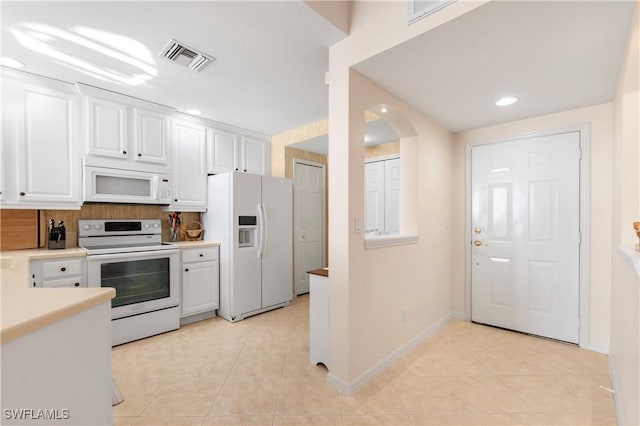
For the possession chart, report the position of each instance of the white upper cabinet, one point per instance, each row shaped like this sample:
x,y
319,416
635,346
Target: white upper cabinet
x,y
255,156
228,152
222,152
107,128
150,133
189,166
125,129
41,150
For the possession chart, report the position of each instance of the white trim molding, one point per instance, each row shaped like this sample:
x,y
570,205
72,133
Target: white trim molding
x,y
380,241
380,366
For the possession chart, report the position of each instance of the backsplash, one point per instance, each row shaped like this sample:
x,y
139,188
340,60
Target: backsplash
x,y
108,211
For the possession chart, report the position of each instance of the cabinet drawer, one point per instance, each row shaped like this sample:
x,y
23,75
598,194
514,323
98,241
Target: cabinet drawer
x,y
199,255
62,268
65,282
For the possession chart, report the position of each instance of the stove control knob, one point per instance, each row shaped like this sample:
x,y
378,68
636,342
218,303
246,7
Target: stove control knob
x,y
86,227
97,226
156,225
146,225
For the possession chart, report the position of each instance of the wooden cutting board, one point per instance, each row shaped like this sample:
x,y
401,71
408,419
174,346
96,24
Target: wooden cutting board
x,y
18,229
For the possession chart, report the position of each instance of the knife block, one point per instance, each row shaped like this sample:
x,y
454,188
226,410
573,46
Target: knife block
x,y
56,244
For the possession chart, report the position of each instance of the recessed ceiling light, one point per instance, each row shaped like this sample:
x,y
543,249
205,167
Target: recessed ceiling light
x,y
507,100
193,112
383,110
11,63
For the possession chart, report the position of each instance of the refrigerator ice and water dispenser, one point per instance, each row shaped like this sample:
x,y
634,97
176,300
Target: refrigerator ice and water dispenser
x,y
247,226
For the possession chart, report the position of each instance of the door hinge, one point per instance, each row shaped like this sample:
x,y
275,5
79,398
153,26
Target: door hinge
x,y
579,153
579,238
579,322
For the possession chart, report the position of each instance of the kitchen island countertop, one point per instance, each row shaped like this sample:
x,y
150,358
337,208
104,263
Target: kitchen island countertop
x,y
25,310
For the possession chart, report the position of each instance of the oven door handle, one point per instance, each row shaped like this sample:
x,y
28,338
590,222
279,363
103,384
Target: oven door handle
x,y
131,255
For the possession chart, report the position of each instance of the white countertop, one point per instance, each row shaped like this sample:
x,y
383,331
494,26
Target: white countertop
x,y
28,309
14,264
189,244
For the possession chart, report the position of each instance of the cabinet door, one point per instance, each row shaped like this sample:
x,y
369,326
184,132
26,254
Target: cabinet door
x,y
107,128
200,288
254,156
150,136
49,169
189,171
222,152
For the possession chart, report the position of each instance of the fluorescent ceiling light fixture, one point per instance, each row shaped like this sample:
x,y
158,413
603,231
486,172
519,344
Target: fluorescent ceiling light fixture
x,y
507,100
11,63
101,49
193,112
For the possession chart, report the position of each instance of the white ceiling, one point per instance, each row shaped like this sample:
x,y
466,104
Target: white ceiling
x,y
552,55
268,75
271,57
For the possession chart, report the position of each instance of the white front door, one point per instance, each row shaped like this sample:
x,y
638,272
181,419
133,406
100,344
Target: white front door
x,y
308,189
525,235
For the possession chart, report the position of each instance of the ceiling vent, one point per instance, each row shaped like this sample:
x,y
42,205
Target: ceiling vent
x,y
419,9
184,55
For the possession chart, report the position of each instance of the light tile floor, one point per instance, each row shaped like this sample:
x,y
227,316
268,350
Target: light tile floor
x,y
257,372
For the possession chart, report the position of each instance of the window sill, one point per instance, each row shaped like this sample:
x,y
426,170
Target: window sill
x,y
381,241
632,256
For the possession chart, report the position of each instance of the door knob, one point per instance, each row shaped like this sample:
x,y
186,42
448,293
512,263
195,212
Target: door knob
x,y
477,243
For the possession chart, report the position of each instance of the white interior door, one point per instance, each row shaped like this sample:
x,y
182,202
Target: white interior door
x,y
526,235
392,196
374,196
308,223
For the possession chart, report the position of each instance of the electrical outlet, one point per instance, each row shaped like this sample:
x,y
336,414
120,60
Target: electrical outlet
x,y
405,313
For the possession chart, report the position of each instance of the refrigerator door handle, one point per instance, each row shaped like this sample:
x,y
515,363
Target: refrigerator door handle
x,y
263,237
261,231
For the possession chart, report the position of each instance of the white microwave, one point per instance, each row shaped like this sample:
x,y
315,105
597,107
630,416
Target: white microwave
x,y
107,185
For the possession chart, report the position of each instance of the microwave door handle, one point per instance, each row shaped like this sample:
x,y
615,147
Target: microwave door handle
x,y
155,187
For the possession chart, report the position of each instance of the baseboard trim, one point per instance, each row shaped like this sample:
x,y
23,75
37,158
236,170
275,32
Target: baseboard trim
x,y
380,366
596,348
614,385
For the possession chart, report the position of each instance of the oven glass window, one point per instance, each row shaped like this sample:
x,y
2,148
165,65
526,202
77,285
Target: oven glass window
x,y
137,281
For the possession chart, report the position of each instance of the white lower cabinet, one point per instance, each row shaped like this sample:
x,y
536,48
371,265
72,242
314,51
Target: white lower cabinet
x,y
59,272
200,281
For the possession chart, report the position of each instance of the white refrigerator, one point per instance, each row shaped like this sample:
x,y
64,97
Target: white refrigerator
x,y
252,218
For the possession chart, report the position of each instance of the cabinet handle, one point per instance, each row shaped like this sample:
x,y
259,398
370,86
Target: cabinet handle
x,y
245,170
77,284
124,152
201,255
139,155
186,269
63,269
175,200
236,169
22,194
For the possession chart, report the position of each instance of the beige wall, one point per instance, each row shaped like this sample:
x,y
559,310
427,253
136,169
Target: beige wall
x,y
369,288
600,121
624,355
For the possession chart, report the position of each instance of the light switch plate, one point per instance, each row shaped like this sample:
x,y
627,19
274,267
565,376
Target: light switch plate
x,y
358,225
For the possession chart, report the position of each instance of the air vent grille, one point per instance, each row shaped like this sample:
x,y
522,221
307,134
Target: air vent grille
x,y
418,9
187,56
